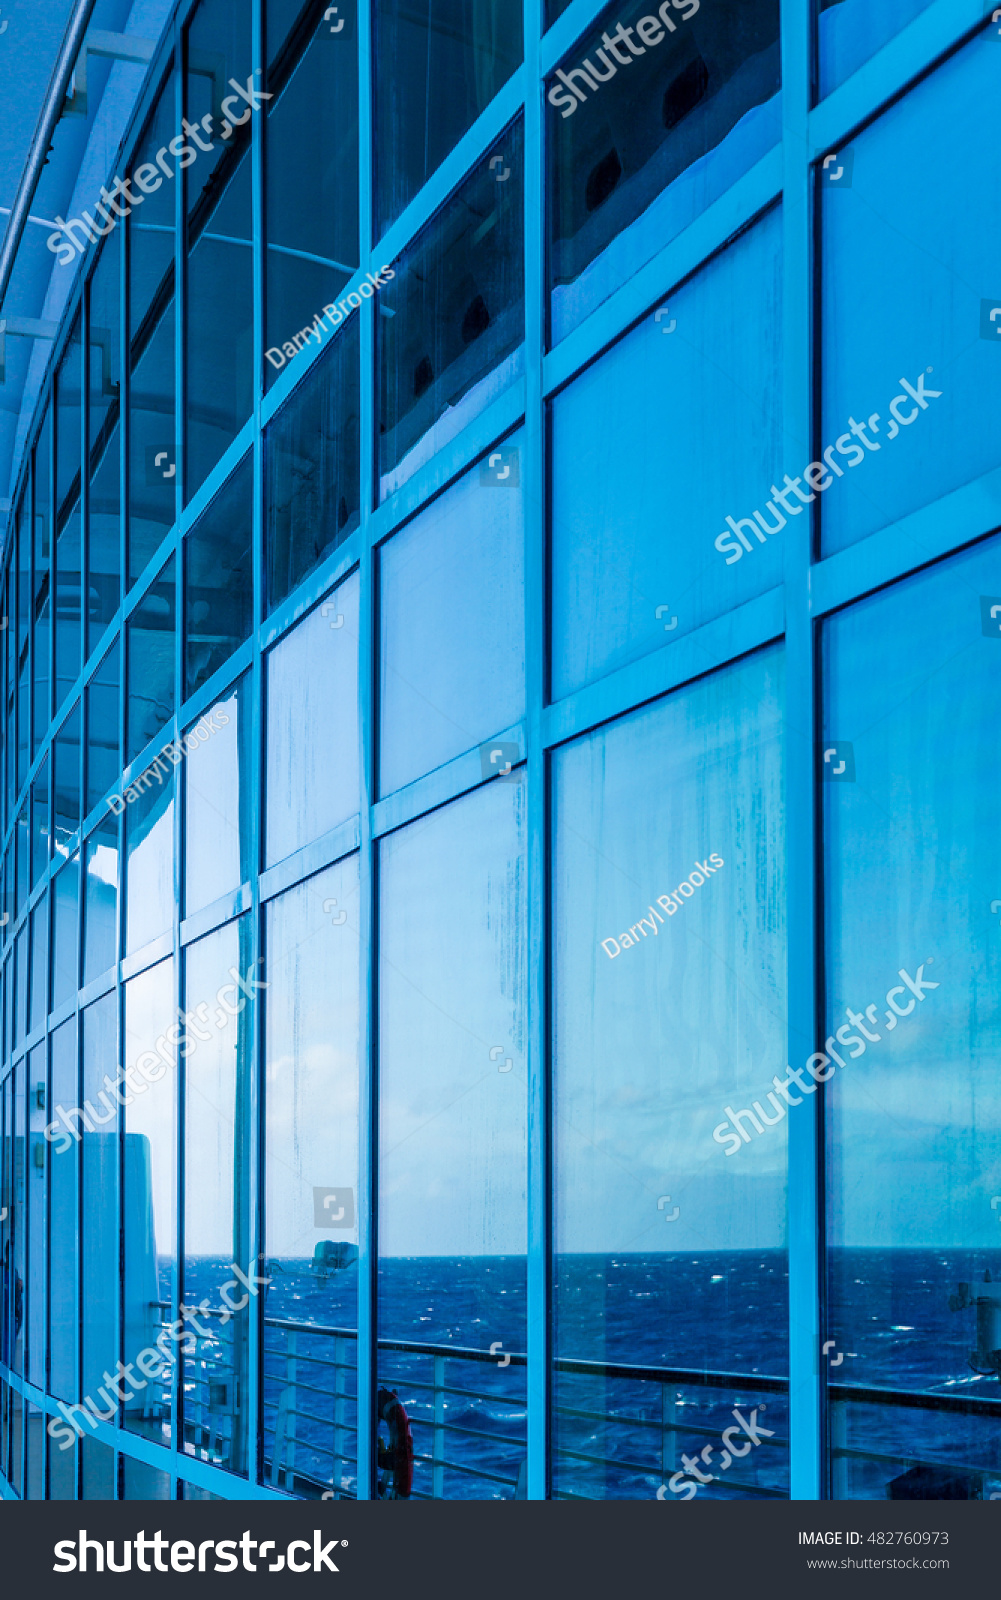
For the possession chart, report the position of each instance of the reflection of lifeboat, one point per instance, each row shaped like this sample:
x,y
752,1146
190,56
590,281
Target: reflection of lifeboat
x,y
396,1462
333,1256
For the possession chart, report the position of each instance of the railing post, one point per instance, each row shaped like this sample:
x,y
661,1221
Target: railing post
x,y
438,1444
838,1424
290,1378
340,1417
668,1436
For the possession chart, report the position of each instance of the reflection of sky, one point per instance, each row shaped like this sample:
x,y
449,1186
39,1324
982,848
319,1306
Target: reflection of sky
x,y
452,989
652,1043
913,863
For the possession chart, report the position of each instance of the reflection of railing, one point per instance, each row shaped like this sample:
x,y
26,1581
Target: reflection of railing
x,y
843,1395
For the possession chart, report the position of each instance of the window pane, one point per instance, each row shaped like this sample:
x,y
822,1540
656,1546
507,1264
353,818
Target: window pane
x,y
21,960
42,607
446,681
668,1255
311,1185
69,400
903,344
100,935
313,778
98,1480
65,962
40,823
217,1199
219,578
912,1102
150,638
220,303
451,329
311,166
140,1482
150,1154
35,1184
638,154
64,1218
453,1135
104,755
149,885
152,464
452,55
640,531
67,782
312,468
105,403
38,1002
100,1200
850,31
16,1199
218,787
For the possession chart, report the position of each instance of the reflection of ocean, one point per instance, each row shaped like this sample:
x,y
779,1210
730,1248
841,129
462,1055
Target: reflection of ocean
x,y
719,1311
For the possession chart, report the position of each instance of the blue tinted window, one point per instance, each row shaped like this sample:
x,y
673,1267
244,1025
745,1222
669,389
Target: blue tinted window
x,y
104,561
311,168
64,1215
906,333
69,556
149,1196
312,1199
645,135
149,884
913,858
438,64
217,1202
66,893
447,682
850,31
689,421
38,1159
150,633
99,1152
452,1138
669,1022
217,796
219,578
450,331
104,744
100,906
313,776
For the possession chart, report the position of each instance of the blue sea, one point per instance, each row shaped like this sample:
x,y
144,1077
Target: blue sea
x,y
723,1312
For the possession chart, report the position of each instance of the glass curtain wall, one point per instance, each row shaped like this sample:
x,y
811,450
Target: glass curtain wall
x,y
497,770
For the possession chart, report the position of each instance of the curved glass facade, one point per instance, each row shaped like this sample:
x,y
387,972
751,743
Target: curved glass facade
x,y
491,993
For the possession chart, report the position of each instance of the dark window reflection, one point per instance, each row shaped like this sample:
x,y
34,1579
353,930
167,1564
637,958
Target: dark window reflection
x,y
312,467
149,1200
449,55
69,555
41,601
65,922
312,1198
97,1480
36,1182
105,406
152,464
217,1202
40,822
38,993
311,167
104,754
450,327
220,304
150,640
452,1144
628,120
219,578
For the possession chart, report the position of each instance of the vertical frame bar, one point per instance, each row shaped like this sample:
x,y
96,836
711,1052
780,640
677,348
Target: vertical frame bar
x,y
539,1200
803,1194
